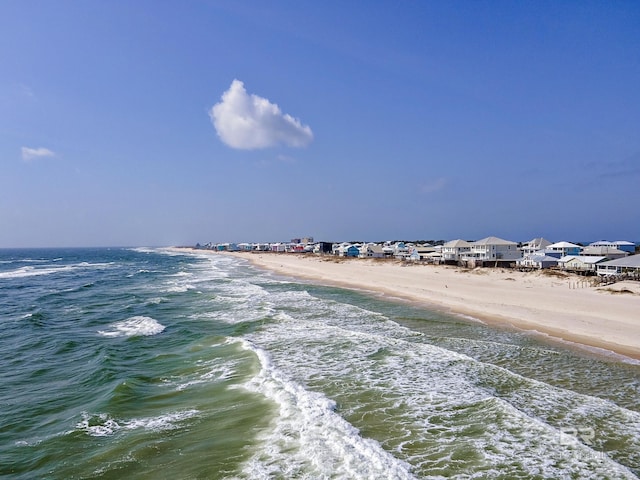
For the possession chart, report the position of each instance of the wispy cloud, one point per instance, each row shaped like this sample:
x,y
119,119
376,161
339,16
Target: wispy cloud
x,y
286,159
624,168
604,171
250,122
29,154
26,91
433,186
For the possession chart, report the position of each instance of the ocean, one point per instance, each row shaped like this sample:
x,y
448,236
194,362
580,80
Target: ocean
x,y
148,363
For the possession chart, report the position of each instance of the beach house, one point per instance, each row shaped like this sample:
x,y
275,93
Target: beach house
x,y
371,250
346,249
561,249
350,251
628,265
452,251
226,247
604,251
295,248
533,246
278,247
580,263
491,250
337,248
400,250
536,260
623,245
323,247
423,252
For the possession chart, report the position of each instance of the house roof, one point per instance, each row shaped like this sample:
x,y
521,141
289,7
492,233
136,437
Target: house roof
x,y
605,242
580,258
457,244
630,261
602,250
539,242
536,257
563,245
624,242
494,241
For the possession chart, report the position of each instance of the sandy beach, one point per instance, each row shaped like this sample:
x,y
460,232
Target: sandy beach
x,y
566,307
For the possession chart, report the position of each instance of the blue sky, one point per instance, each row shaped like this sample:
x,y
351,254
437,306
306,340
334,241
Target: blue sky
x,y
165,122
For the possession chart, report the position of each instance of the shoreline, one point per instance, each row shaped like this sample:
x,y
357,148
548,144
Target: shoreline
x,y
561,309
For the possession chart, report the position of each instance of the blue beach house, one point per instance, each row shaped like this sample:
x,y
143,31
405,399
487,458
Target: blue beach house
x,y
562,249
351,251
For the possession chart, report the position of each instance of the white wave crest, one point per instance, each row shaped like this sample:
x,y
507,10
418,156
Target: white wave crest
x,y
163,422
309,436
179,288
102,425
182,274
33,271
156,300
23,272
134,326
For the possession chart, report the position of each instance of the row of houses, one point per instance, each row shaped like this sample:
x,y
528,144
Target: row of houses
x,y
400,250
538,253
296,246
601,258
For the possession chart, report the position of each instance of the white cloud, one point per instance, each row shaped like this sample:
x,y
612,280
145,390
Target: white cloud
x,y
434,186
250,122
29,154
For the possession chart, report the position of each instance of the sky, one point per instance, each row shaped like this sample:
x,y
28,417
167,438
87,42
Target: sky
x,y
154,123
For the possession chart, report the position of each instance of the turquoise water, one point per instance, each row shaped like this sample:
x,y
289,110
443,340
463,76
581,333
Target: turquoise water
x,y
145,363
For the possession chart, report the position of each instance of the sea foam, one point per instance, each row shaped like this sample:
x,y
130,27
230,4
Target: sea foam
x,y
309,436
420,389
133,326
103,425
23,272
33,271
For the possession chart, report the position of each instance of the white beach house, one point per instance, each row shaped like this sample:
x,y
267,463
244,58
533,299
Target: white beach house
x,y
562,249
620,266
400,250
452,251
425,251
537,260
580,264
337,248
371,250
492,248
278,247
533,246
